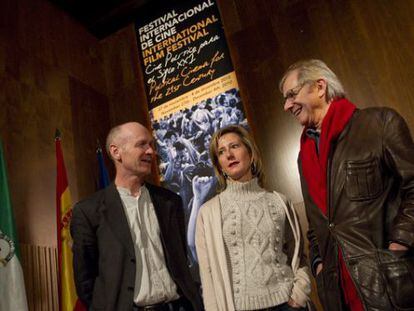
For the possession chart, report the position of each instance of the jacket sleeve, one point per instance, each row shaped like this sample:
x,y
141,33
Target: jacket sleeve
x,y
399,154
85,255
301,282
314,256
209,297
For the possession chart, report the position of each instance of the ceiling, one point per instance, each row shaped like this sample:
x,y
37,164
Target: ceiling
x,y
103,18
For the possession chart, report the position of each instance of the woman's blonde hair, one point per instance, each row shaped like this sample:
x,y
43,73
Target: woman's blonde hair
x,y
247,140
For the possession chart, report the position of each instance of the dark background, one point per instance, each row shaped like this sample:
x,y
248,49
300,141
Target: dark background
x,y
54,73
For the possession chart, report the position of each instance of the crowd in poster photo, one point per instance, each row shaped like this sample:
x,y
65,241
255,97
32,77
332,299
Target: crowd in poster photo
x,y
183,140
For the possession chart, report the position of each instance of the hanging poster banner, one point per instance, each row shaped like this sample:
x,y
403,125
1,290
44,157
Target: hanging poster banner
x,y
192,91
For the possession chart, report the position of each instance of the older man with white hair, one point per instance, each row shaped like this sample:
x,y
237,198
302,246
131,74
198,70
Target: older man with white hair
x,y
357,176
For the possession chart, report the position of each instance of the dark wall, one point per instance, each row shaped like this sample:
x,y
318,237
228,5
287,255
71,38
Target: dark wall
x,y
51,76
54,74
125,84
369,44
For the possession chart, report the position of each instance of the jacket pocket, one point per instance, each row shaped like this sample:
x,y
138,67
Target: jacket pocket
x,y
363,179
365,272
398,270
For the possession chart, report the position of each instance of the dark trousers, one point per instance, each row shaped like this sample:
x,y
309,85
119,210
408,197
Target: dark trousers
x,y
283,307
181,304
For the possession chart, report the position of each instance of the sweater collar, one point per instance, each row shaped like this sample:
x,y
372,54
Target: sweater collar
x,y
241,189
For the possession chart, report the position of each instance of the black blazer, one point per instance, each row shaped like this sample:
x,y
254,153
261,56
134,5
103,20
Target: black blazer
x,y
104,261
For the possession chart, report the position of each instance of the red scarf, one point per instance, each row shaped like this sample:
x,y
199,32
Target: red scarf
x,y
313,166
314,170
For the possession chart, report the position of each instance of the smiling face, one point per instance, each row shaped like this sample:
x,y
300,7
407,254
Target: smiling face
x,y
234,158
132,150
305,101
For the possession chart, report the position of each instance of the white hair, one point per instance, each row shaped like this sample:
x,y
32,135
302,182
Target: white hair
x,y
312,70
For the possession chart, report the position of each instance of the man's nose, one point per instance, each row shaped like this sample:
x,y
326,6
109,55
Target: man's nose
x,y
287,105
150,150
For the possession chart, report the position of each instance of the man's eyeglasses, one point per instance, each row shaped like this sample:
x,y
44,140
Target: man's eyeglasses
x,y
293,92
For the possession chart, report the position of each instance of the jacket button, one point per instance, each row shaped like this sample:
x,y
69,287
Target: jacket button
x,y
331,225
130,288
133,260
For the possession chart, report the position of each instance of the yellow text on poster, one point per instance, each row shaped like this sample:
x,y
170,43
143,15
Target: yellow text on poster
x,y
189,99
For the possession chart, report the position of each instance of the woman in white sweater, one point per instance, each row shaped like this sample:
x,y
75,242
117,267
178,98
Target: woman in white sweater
x,y
248,240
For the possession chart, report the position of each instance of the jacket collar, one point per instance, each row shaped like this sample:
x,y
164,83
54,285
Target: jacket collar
x,y
162,207
115,216
117,219
347,127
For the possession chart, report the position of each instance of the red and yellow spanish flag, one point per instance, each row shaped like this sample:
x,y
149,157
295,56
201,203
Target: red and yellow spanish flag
x,y
68,300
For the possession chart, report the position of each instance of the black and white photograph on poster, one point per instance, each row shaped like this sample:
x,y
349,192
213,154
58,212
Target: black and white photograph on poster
x,y
192,91
183,140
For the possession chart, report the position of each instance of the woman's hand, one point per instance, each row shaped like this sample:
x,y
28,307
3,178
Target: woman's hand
x,y
293,304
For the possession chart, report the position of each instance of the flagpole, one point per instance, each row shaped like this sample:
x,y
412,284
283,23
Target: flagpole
x,y
58,212
104,180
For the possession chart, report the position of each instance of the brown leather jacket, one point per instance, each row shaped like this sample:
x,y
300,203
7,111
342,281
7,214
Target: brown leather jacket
x,y
370,204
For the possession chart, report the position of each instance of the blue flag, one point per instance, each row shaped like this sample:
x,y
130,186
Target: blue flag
x,y
103,172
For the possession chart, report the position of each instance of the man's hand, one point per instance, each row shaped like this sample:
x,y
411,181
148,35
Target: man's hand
x,y
319,268
397,247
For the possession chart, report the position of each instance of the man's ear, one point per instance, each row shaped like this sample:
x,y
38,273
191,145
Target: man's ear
x,y
322,87
115,152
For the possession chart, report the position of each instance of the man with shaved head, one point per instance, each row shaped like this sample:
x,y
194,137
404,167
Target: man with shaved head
x,y
129,249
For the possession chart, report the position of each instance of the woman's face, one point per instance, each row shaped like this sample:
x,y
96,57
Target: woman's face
x,y
234,157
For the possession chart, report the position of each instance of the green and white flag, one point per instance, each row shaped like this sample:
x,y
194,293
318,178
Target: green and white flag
x,y
12,290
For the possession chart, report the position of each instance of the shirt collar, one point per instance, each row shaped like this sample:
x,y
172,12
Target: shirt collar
x,y
126,192
312,133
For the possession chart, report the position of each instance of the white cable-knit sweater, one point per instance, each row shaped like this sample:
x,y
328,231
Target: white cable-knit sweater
x,y
239,239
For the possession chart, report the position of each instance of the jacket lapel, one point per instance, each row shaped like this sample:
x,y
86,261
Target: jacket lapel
x,y
116,218
162,207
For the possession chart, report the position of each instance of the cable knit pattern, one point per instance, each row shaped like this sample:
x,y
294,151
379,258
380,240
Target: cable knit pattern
x,y
253,225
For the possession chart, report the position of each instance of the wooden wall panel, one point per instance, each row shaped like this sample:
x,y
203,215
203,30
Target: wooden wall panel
x,y
127,99
53,74
40,49
367,43
90,122
126,92
40,272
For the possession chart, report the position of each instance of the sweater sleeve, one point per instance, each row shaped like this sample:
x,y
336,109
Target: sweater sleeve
x,y
209,298
301,286
301,282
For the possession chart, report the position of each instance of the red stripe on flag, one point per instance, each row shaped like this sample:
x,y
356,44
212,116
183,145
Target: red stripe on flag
x,y
62,186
